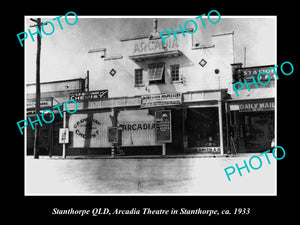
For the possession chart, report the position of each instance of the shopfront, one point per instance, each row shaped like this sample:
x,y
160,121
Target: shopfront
x,y
48,133
202,129
252,124
195,123
90,129
52,93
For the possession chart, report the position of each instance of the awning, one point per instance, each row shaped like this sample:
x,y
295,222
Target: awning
x,y
156,71
174,53
257,99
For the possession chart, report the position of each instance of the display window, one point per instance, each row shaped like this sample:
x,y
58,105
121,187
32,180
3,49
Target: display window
x,y
202,127
259,130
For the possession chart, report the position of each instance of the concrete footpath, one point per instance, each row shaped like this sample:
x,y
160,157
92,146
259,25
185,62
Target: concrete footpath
x,y
143,175
147,156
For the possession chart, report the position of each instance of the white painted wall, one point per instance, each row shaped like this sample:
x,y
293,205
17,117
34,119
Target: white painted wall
x,y
197,77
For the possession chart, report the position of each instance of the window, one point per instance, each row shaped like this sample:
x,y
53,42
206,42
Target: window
x,y
202,127
175,72
156,73
138,77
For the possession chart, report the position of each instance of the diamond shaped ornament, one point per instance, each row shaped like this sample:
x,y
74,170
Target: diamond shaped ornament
x,y
202,62
112,72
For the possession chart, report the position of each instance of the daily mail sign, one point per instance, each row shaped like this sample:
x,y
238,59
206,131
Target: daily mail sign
x,y
254,106
157,100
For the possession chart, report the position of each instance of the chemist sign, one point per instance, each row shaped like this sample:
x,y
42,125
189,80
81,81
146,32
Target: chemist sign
x,y
163,126
89,95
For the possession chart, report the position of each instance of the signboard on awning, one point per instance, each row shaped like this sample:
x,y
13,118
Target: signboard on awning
x,y
157,100
44,103
89,95
209,149
253,107
248,72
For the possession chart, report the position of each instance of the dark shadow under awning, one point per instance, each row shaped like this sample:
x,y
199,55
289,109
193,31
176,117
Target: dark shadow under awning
x,y
167,54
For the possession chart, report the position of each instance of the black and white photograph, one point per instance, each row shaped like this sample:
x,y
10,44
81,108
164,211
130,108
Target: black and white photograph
x,y
144,105
146,114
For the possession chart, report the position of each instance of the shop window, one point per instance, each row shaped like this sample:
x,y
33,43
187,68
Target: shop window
x,y
175,72
258,130
202,127
156,73
138,77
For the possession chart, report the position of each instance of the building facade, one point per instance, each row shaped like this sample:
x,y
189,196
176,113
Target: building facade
x,y
190,79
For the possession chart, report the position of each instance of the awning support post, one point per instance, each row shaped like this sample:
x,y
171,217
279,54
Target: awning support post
x,y
164,149
64,126
221,127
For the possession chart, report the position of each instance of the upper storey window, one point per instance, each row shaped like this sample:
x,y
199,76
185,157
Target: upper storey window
x,y
156,74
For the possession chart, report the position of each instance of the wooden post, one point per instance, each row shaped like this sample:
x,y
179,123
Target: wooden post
x,y
227,126
51,134
64,126
164,149
114,121
38,92
244,56
184,112
220,127
87,81
50,139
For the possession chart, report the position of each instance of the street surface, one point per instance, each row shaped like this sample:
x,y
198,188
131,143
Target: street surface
x,y
182,176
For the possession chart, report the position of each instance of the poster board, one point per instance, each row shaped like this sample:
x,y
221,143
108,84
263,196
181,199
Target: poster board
x,y
163,126
63,135
113,134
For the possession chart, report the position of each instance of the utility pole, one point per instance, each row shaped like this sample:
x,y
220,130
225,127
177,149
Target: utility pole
x,y
38,91
245,56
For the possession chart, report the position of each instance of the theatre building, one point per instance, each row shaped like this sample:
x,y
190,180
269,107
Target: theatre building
x,y
185,82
